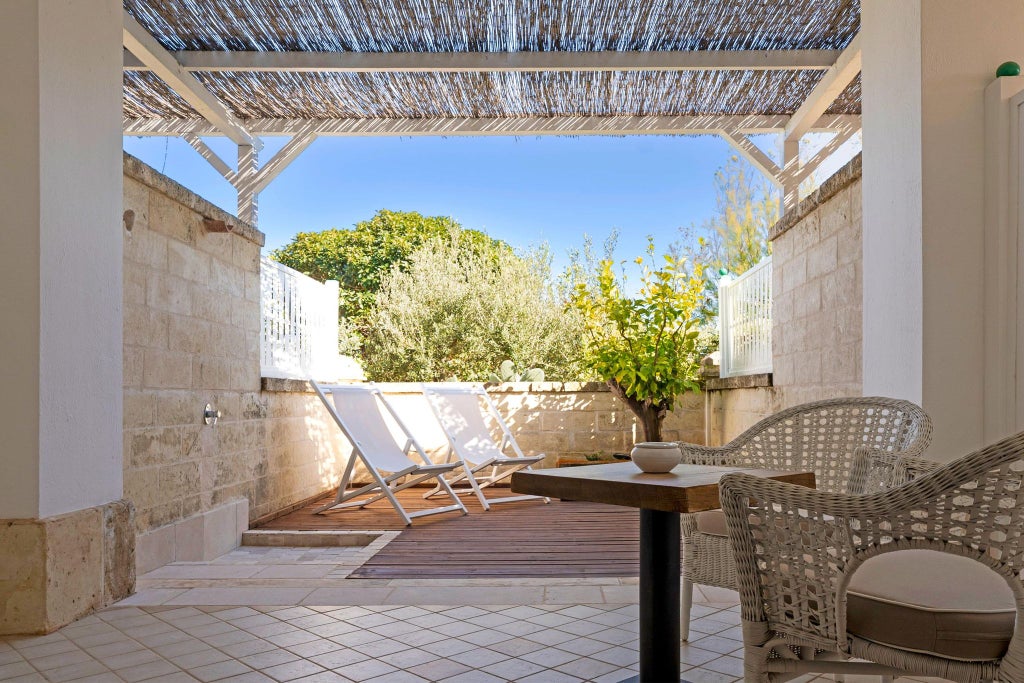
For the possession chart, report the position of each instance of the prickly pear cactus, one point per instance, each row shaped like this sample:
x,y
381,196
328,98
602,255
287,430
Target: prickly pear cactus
x,y
507,373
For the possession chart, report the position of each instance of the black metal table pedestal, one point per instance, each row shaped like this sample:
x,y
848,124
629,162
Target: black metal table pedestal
x,y
659,596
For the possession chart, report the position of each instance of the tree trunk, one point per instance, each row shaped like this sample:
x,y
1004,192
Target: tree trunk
x,y
651,414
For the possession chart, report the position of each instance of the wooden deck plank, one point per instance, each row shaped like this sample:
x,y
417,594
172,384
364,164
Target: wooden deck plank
x,y
523,539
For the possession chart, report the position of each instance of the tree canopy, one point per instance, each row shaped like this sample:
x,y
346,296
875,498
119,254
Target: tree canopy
x,y
456,312
645,346
360,257
737,236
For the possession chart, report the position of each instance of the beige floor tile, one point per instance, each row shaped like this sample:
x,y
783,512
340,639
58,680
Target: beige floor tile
x,y
290,671
294,571
241,596
348,595
158,670
620,594
567,595
468,595
76,671
213,672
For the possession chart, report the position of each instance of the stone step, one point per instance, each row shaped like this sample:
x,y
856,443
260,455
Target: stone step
x,y
309,539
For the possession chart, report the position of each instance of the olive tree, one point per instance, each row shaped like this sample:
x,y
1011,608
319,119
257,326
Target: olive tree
x,y
452,312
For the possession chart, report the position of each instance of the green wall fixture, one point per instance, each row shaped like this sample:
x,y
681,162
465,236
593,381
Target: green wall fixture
x,y
1008,69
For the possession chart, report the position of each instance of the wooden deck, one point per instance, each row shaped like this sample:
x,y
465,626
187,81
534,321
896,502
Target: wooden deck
x,y
527,539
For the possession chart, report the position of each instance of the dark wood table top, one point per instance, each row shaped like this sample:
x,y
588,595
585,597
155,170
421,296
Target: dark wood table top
x,y
687,488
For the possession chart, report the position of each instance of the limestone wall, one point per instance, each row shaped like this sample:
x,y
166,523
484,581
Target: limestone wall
x,y
191,322
191,337
816,282
553,418
816,311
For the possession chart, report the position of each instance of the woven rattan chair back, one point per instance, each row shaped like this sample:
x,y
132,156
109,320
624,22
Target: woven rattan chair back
x,y
796,550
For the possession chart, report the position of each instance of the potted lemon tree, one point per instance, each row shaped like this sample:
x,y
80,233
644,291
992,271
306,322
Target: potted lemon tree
x,y
644,344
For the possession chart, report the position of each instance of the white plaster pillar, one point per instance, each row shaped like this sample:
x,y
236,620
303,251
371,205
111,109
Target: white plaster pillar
x,y
60,256
925,68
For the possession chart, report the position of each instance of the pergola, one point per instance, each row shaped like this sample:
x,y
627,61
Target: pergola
x,y
259,68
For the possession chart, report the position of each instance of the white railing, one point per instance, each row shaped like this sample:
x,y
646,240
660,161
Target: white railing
x,y
745,321
299,338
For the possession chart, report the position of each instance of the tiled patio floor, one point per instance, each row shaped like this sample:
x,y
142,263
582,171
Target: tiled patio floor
x,y
204,622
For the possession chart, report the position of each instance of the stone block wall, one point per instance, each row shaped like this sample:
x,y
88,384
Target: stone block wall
x,y
554,418
191,337
816,311
816,282
580,419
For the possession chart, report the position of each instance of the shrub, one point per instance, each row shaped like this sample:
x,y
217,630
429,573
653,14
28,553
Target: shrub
x,y
452,312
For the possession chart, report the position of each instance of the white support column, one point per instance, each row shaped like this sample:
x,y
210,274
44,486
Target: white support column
x,y
61,337
245,184
926,67
790,171
60,265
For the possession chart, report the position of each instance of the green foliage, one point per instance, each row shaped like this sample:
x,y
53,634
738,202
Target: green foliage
x,y
507,373
644,346
458,312
359,258
747,207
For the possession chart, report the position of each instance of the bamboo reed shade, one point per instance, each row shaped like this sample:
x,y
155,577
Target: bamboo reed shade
x,y
498,26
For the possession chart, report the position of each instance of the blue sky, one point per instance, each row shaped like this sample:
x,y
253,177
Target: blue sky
x,y
521,190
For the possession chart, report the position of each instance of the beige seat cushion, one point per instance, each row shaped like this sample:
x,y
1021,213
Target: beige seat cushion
x,y
712,522
931,602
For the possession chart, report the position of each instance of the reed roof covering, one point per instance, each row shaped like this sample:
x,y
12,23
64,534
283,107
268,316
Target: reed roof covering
x,y
496,26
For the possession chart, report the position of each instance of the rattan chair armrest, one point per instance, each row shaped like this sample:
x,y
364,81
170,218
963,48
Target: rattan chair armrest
x,y
874,469
722,456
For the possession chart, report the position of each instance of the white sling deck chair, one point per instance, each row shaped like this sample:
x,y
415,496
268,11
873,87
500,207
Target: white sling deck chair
x,y
356,410
461,410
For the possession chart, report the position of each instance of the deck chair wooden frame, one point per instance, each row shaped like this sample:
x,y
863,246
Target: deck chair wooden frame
x,y
461,411
391,466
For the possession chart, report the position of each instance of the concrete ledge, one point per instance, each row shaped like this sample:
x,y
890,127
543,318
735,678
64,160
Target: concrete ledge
x,y
837,182
739,382
147,175
301,386
309,539
201,537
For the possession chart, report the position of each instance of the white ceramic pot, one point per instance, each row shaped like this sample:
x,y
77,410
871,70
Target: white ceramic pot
x,y
656,457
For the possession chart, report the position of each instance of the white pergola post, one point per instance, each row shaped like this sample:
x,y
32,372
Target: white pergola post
x,y
61,278
245,183
925,69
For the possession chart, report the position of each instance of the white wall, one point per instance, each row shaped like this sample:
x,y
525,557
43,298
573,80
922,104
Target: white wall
x,y
926,66
19,261
60,266
891,104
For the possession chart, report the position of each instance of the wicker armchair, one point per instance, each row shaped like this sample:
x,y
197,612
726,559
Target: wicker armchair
x,y
821,437
923,579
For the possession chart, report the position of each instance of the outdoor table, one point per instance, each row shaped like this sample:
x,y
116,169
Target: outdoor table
x,y
661,498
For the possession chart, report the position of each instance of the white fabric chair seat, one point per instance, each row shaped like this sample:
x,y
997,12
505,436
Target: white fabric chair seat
x,y
931,602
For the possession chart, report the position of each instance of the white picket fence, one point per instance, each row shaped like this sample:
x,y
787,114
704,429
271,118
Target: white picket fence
x,y
299,338
745,321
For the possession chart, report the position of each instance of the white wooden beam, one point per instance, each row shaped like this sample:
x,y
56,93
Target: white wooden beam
x,y
286,155
526,126
150,52
752,153
214,160
827,150
610,60
831,86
